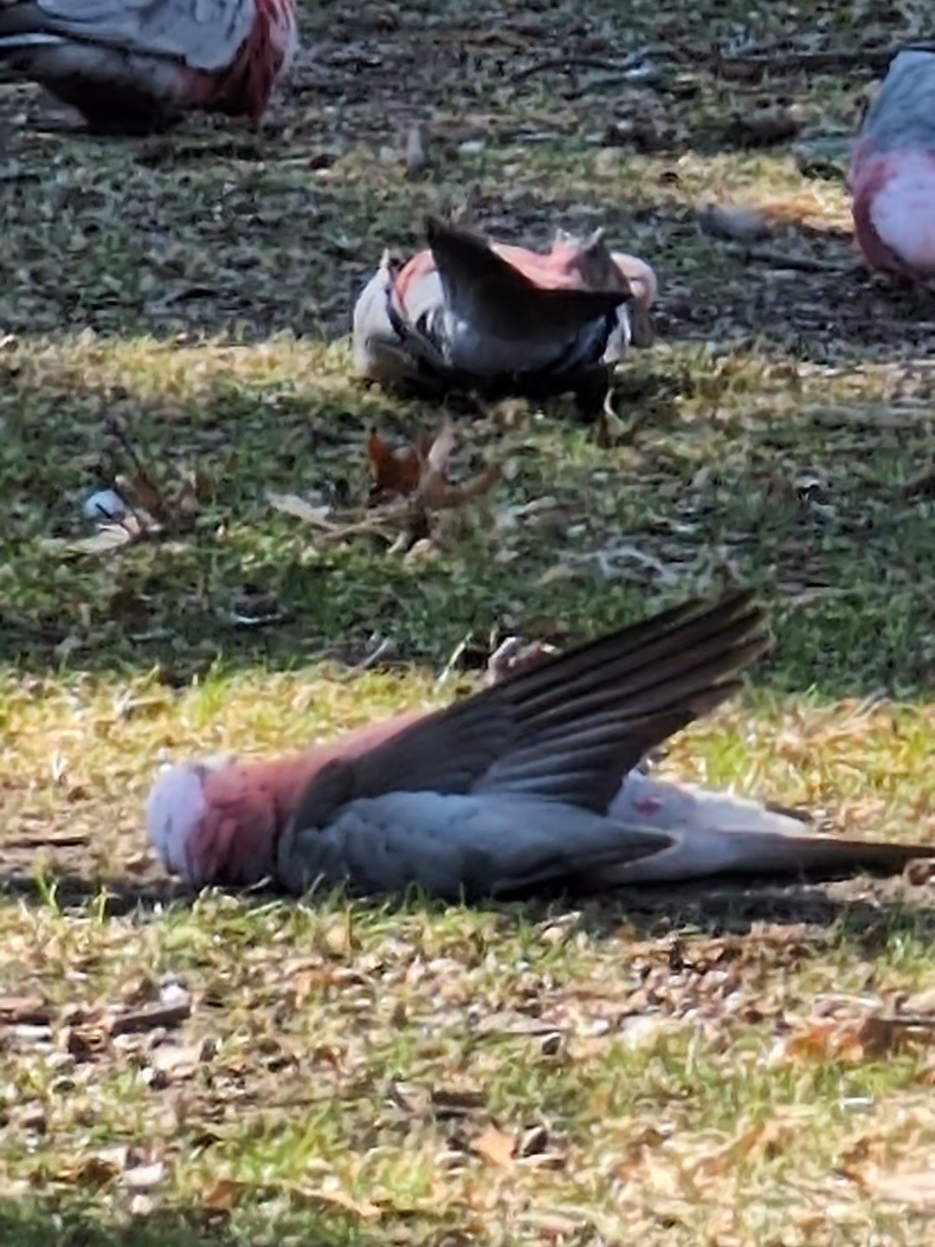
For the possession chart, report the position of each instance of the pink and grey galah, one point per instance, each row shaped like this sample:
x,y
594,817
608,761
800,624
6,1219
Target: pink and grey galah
x,y
140,65
535,783
469,314
892,174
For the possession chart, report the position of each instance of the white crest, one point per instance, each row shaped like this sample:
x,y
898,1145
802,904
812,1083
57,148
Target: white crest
x,y
175,806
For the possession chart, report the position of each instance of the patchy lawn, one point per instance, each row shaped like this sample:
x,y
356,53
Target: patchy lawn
x,y
722,1065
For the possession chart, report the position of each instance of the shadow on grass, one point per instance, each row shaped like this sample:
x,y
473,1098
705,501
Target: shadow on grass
x,y
214,231
702,488
73,1222
867,912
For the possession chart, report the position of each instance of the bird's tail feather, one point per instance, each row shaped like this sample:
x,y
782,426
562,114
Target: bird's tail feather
x,y
703,854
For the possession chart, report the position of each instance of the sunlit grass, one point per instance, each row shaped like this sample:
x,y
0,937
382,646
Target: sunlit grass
x,y
692,1067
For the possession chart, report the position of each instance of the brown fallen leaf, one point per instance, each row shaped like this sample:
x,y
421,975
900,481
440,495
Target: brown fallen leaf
x,y
224,1196
913,1188
737,223
494,1146
360,1208
853,1040
95,1172
23,1010
764,1141
85,1042
922,1003
396,472
185,505
441,496
146,493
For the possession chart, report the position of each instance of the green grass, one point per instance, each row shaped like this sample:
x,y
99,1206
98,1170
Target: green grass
x,y
675,1069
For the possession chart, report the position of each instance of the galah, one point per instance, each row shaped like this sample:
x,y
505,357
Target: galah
x,y
534,783
140,65
892,173
468,314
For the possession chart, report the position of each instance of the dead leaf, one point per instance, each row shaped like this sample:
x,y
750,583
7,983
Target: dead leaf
x,y
851,1039
922,1003
144,491
109,537
914,1188
95,1172
396,472
185,506
84,1043
442,448
362,1209
140,989
294,504
765,1141
442,496
224,1196
494,1146
179,1060
338,938
739,224
23,1010
144,1177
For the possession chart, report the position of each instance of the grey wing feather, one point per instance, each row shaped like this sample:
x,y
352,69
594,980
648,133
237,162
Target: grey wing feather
x,y
205,34
903,112
570,729
456,846
484,289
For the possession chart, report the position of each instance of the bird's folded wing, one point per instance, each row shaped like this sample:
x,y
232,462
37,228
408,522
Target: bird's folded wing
x,y
489,292
454,846
569,729
205,34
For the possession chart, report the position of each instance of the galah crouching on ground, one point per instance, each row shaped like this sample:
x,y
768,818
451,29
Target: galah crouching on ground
x,y
892,174
140,65
532,784
467,314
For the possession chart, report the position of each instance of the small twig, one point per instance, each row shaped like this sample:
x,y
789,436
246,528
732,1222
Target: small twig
x,y
373,526
114,428
781,60
577,62
802,264
656,79
149,1019
371,660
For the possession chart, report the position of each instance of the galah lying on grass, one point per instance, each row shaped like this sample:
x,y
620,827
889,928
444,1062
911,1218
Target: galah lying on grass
x,y
532,784
140,65
467,314
892,174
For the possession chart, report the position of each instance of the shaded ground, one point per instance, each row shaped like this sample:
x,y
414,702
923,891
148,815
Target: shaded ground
x,y
728,1065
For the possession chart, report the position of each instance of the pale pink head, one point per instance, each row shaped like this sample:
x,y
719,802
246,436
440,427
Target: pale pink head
x,y
218,822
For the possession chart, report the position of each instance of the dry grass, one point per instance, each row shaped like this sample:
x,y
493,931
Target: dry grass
x,y
722,1065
